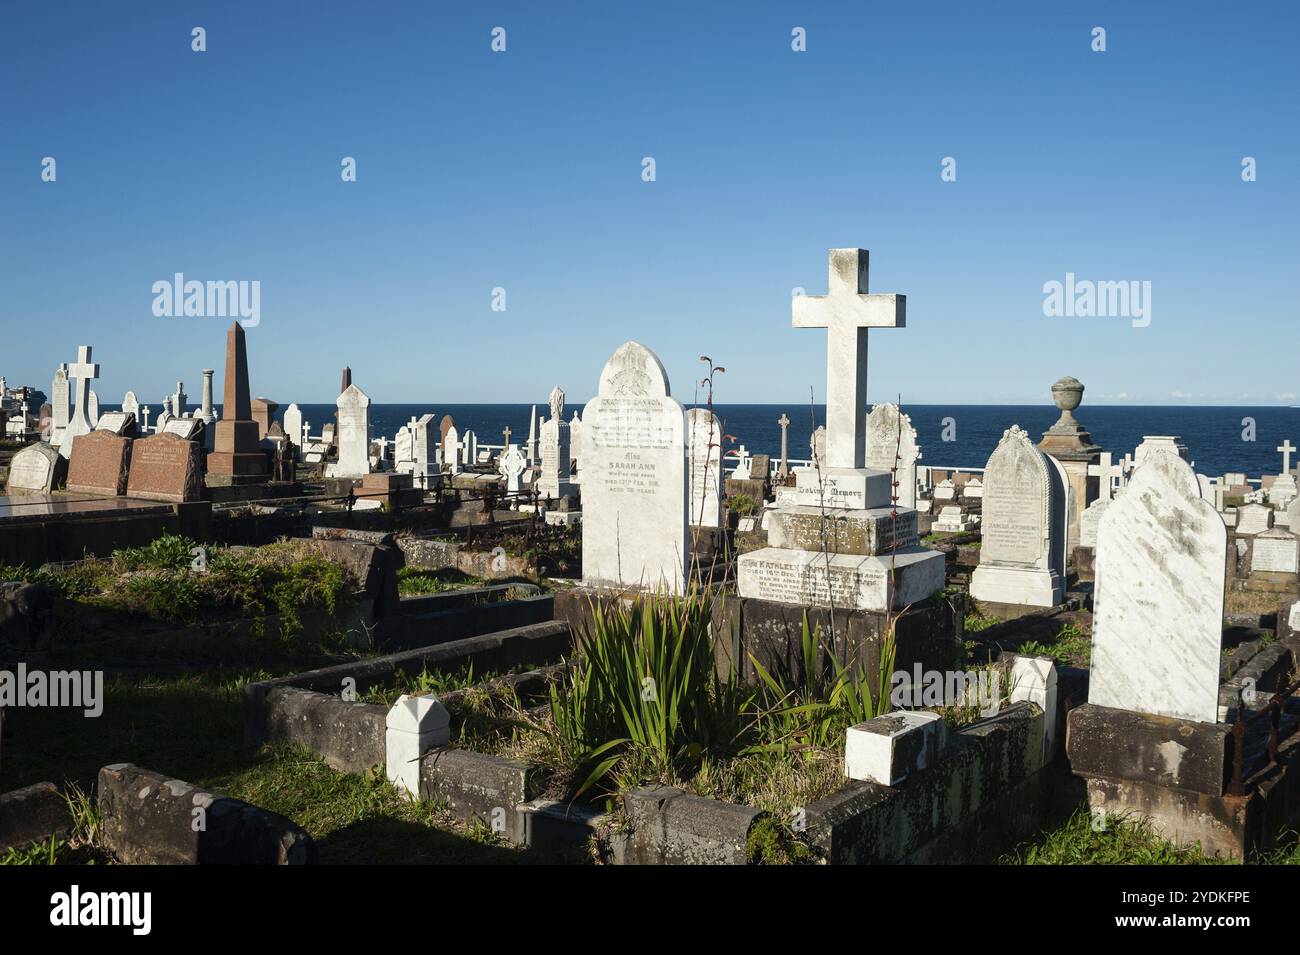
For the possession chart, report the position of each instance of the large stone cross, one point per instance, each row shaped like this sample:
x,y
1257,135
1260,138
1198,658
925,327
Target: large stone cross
x,y
1286,450
846,312
84,370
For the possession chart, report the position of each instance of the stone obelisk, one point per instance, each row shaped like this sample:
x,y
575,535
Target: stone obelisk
x,y
236,457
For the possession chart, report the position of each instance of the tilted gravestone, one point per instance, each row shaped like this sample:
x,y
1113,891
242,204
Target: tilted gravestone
x,y
36,469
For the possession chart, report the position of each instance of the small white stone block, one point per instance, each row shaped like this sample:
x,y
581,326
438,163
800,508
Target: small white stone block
x,y
415,725
890,748
1033,679
856,488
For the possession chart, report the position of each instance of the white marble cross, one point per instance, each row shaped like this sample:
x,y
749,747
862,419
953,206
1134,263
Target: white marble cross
x,y
144,419
84,370
846,312
1286,449
1106,472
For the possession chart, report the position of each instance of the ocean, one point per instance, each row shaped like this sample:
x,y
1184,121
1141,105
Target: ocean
x,y
1215,436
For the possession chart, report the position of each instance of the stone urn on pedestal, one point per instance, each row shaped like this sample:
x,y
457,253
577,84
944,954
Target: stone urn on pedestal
x,y
1069,443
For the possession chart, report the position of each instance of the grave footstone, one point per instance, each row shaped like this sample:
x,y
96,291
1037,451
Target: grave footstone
x,y
634,531
188,429
117,422
1025,513
1158,604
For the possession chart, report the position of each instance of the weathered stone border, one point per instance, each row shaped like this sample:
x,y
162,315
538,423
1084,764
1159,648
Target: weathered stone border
x,y
33,814
151,819
306,708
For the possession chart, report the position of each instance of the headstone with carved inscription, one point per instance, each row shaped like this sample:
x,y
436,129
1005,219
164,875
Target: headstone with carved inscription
x,y
1025,510
634,532
704,432
99,463
36,469
166,467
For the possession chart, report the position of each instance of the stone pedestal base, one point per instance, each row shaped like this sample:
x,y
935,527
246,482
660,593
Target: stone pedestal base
x,y
746,629
251,465
1177,774
842,487
1013,585
226,479
856,582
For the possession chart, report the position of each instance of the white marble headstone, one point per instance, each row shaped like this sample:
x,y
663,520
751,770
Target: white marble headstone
x,y
634,486
1157,631
1275,551
292,424
1253,519
705,449
353,434
1025,507
891,441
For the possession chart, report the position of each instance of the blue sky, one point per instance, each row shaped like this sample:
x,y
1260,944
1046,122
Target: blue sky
x,y
522,170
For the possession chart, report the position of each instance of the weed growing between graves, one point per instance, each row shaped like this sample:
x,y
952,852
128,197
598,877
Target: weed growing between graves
x,y
415,582
1071,646
1123,841
643,703
742,505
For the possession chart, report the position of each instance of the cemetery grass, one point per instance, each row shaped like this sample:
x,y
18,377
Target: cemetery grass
x,y
1125,840
157,586
190,727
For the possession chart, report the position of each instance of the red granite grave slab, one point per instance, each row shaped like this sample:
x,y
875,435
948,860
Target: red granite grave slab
x,y
99,464
166,467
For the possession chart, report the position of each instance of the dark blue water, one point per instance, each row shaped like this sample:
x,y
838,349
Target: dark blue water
x,y
1215,436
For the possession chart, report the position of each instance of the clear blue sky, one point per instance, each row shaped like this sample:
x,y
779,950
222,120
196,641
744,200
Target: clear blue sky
x,y
523,170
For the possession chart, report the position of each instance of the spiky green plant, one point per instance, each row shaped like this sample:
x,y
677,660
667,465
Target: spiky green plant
x,y
646,680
